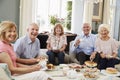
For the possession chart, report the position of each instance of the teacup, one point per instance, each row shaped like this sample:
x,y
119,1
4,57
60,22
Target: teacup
x,y
43,63
72,74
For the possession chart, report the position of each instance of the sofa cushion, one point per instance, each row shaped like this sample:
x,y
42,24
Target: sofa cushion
x,y
3,74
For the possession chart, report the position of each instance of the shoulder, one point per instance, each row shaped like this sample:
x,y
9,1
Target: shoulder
x,y
37,40
3,46
63,35
93,35
21,41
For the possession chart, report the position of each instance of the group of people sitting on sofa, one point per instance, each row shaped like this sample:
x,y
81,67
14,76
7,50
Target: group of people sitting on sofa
x,y
24,56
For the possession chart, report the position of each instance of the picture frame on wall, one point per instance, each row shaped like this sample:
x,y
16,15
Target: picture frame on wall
x,y
97,11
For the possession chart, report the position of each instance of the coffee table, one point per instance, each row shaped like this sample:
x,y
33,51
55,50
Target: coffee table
x,y
59,75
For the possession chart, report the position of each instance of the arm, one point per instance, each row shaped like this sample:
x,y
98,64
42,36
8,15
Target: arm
x,y
27,61
48,46
62,48
115,47
48,43
4,58
64,44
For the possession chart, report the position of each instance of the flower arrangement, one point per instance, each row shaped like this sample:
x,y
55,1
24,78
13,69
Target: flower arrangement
x,y
54,19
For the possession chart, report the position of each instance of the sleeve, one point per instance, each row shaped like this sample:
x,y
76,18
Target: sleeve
x,y
2,49
65,40
97,45
48,40
74,49
38,46
94,41
18,47
115,46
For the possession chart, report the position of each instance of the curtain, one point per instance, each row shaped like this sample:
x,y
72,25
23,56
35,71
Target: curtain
x,y
27,15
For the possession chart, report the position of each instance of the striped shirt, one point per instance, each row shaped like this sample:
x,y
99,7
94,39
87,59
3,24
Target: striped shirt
x,y
26,49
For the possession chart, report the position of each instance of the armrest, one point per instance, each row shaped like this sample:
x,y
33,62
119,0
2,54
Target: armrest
x,y
5,71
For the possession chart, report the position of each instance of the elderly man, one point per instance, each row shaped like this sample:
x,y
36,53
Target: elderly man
x,y
27,47
84,44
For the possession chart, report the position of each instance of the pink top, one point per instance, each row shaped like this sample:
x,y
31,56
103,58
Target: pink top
x,y
107,47
8,48
56,42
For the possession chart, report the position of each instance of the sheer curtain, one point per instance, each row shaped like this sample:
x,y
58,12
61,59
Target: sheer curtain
x,y
27,15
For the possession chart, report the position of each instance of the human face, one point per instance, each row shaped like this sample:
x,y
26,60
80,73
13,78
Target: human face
x,y
104,32
33,32
86,29
10,35
58,30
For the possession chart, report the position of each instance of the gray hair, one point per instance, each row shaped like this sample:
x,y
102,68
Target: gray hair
x,y
32,24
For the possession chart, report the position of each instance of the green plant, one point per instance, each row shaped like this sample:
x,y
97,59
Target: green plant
x,y
53,20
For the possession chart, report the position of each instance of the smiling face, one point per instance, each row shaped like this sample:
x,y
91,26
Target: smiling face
x,y
8,31
86,28
104,32
33,31
58,30
10,35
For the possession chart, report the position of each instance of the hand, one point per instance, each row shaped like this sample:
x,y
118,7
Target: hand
x,y
33,60
49,49
56,51
36,67
41,58
92,56
103,55
77,43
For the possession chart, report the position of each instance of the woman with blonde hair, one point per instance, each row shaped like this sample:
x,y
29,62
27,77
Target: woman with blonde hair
x,y
56,45
8,34
107,47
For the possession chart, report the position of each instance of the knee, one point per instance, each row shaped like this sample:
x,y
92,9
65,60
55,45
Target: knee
x,y
49,53
61,54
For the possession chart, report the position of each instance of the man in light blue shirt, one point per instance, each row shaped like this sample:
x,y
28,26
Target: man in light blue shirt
x,y
84,45
27,48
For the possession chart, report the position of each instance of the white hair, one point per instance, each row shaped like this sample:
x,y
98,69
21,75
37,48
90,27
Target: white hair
x,y
106,26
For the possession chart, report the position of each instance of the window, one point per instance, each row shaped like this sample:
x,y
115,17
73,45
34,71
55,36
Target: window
x,y
48,8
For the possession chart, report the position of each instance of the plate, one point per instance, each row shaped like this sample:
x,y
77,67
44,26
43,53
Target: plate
x,y
90,76
108,74
90,64
53,69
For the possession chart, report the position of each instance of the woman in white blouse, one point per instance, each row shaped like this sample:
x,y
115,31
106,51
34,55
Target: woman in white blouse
x,y
56,45
107,47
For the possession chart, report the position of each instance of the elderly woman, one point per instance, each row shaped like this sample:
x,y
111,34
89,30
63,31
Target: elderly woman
x,y
8,35
56,45
107,47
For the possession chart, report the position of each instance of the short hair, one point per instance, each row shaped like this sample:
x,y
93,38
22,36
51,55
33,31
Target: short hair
x,y
106,26
4,26
60,26
86,24
33,24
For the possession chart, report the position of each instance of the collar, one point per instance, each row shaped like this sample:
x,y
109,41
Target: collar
x,y
28,39
86,36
